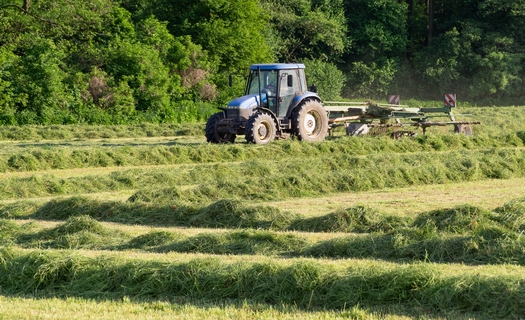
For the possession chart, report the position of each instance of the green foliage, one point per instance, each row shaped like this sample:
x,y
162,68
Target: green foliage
x,y
377,37
38,76
455,63
138,68
475,52
304,29
9,99
115,71
328,79
110,62
230,31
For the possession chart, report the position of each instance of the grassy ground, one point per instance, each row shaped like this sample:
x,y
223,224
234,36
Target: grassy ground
x,y
151,222
77,308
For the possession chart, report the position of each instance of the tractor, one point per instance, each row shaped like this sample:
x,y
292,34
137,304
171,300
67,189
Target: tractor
x,y
276,105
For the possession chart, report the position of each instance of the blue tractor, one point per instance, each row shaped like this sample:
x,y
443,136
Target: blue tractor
x,y
276,105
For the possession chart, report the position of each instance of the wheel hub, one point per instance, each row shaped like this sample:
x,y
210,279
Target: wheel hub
x,y
262,131
309,123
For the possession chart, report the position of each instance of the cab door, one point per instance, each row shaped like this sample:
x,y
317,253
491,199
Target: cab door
x,y
288,89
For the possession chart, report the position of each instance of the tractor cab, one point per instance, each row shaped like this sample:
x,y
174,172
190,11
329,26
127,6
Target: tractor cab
x,y
277,84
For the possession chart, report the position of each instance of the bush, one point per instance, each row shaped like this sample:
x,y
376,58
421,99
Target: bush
x,y
326,76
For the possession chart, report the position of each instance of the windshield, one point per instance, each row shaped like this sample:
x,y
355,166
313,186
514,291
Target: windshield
x,y
268,82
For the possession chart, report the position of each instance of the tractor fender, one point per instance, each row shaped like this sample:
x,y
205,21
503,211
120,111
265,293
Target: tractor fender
x,y
298,100
271,113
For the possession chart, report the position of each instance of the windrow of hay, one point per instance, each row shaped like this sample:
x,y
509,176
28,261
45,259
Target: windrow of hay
x,y
274,180
354,219
77,232
307,284
277,180
221,214
36,157
60,132
343,173
464,234
234,213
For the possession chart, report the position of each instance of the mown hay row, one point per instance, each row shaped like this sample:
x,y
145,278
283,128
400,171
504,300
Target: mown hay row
x,y
281,179
329,175
44,158
220,214
305,283
233,213
61,132
463,234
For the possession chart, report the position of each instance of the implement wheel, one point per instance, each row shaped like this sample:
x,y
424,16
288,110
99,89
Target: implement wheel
x,y
212,134
310,122
465,129
260,129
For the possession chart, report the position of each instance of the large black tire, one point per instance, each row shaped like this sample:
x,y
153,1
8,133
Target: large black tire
x,y
212,135
465,129
310,122
260,129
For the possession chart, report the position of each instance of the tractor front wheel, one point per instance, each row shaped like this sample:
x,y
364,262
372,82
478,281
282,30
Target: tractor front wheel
x,y
310,122
260,129
213,135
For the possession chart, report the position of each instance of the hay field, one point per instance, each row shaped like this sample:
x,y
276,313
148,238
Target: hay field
x,y
149,221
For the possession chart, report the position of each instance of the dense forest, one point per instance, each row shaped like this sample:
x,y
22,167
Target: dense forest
x,y
124,61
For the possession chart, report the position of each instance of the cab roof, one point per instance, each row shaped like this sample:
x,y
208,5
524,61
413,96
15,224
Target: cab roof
x,y
277,66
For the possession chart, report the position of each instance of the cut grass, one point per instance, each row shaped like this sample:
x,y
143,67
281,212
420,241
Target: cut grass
x,y
466,234
494,291
274,180
60,132
449,210
322,176
45,156
486,194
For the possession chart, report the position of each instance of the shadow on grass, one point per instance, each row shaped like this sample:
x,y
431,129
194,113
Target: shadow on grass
x,y
307,284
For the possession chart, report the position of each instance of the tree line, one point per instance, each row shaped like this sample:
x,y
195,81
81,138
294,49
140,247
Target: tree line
x,y
122,61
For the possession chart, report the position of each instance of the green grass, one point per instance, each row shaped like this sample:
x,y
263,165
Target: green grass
x,y
150,221
66,155
462,234
61,132
179,308
272,180
308,284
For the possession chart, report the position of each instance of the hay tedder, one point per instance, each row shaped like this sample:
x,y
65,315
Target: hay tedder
x,y
277,104
360,118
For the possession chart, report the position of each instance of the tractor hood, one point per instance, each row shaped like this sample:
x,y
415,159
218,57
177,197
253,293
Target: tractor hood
x,y
247,102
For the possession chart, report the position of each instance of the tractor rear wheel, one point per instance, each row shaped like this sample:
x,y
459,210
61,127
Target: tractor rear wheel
x,y
213,135
260,129
310,122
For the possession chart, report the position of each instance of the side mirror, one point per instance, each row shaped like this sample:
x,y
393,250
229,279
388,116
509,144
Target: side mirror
x,y
290,80
313,88
230,80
